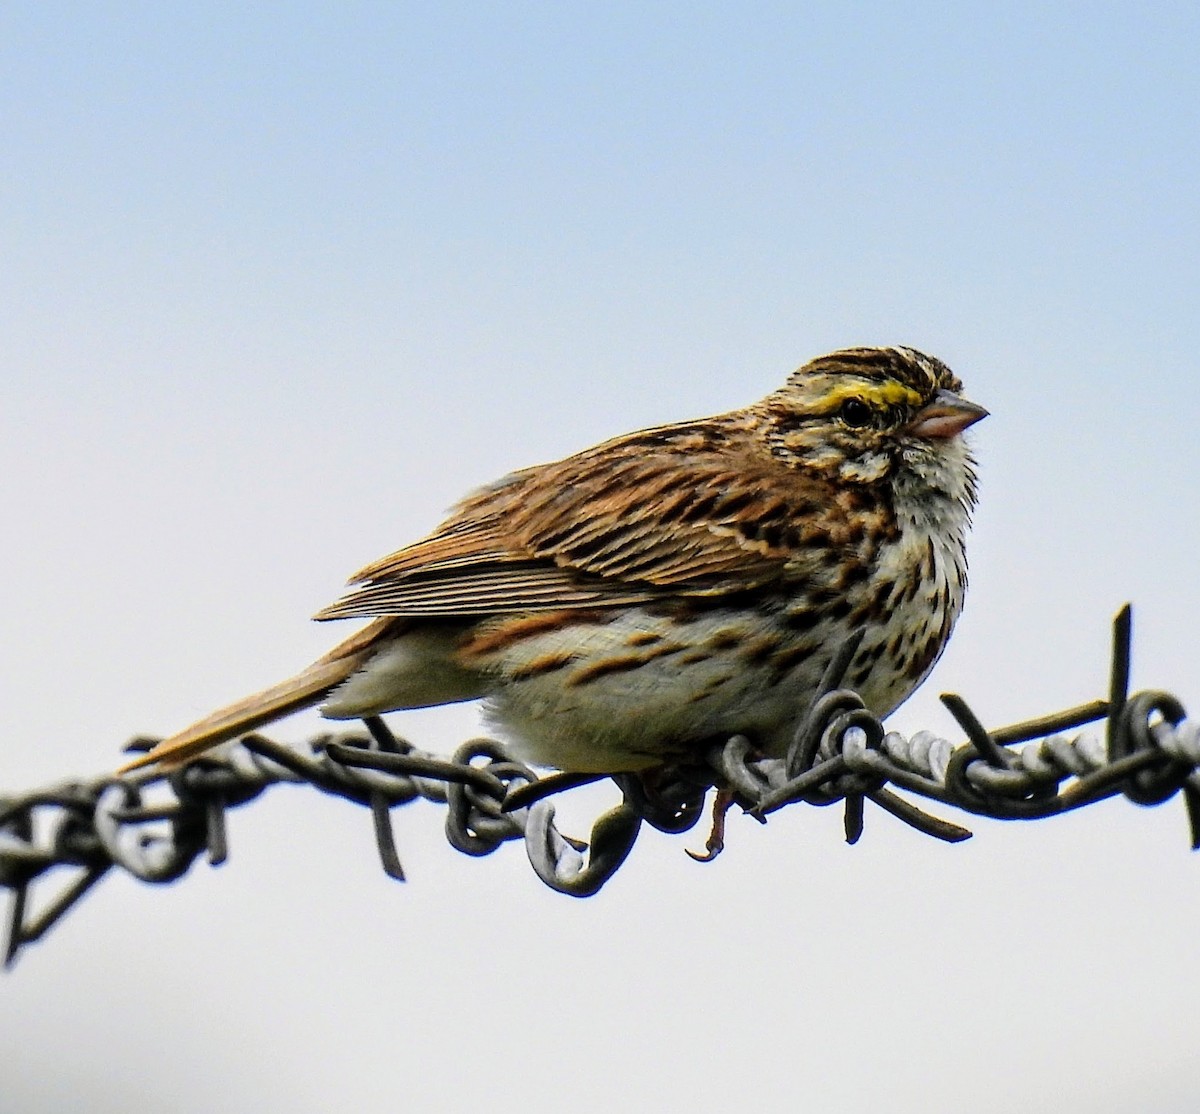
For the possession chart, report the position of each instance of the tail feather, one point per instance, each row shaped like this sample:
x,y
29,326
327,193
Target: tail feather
x,y
292,695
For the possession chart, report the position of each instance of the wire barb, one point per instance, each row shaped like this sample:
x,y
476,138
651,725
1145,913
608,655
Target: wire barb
x,y
155,826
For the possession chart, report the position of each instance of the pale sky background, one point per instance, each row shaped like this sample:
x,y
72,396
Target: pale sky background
x,y
279,285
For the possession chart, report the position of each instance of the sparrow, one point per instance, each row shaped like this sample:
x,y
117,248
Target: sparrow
x,y
634,603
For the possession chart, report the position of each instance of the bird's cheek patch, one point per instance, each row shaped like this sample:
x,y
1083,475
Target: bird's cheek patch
x,y
865,469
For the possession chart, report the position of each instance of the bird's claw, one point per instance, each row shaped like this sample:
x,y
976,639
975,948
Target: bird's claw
x,y
715,843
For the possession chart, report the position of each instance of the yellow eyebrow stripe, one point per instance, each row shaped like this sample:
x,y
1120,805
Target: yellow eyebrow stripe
x,y
878,395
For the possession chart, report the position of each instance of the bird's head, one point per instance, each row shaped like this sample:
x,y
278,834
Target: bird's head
x,y
871,415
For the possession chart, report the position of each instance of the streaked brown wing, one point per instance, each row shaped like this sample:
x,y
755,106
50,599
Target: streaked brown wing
x,y
482,590
676,511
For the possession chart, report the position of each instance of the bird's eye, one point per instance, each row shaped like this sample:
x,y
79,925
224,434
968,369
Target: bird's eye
x,y
855,413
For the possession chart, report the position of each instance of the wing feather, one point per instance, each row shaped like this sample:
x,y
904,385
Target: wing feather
x,y
527,587
680,510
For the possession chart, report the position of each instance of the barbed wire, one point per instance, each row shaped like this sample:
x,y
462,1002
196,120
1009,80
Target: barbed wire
x,y
155,826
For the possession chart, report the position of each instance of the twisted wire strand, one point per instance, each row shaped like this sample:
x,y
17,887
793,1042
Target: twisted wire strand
x,y
155,826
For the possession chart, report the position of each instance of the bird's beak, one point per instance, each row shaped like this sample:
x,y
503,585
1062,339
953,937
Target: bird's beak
x,y
946,416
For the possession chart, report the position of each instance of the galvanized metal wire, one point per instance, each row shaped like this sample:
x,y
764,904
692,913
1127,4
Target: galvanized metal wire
x,y
155,826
